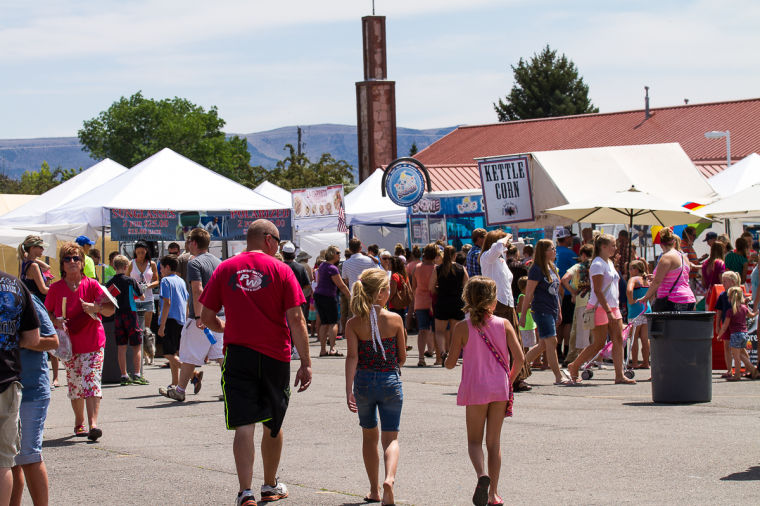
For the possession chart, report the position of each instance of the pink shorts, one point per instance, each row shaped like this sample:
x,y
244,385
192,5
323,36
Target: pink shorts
x,y
600,315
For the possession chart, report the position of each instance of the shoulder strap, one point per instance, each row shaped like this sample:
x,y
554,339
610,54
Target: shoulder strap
x,y
504,365
680,273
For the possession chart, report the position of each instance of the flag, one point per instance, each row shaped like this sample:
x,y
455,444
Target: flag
x,y
342,219
693,206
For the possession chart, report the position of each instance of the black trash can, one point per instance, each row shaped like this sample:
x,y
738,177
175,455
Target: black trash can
x,y
111,372
681,346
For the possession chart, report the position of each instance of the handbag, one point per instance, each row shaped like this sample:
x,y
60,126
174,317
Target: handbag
x,y
505,365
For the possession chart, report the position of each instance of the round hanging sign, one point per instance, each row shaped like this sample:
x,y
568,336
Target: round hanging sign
x,y
405,182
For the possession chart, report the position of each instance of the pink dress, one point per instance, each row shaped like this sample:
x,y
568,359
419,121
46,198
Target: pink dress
x,y
484,380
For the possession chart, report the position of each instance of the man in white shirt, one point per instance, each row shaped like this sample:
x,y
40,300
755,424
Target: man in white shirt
x,y
357,264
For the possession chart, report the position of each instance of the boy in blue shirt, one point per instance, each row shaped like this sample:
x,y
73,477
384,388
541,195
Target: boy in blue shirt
x,y
173,293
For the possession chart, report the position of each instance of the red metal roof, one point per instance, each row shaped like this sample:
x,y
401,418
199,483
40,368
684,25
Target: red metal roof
x,y
686,124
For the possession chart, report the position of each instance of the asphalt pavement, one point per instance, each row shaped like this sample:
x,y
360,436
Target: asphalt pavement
x,y
598,443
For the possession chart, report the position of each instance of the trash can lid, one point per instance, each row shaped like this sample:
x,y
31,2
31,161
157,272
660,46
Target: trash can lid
x,y
682,315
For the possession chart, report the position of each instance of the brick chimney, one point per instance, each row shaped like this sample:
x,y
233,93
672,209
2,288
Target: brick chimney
x,y
375,102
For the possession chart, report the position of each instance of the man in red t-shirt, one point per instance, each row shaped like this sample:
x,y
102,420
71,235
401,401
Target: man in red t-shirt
x,y
262,304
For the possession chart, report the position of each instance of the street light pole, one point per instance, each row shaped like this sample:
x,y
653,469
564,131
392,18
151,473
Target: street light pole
x,y
717,134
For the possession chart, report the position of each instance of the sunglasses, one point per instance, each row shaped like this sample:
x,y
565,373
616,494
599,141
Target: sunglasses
x,y
72,259
274,237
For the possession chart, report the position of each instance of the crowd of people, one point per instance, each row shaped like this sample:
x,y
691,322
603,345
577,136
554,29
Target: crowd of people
x,y
500,306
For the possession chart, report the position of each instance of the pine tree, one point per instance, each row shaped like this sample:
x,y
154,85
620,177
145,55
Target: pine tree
x,y
545,85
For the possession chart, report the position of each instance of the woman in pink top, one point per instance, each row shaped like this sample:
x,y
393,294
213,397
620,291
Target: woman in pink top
x,y
75,302
486,387
423,301
714,267
671,278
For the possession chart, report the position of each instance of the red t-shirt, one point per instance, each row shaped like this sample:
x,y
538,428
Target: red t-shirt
x,y
256,290
87,335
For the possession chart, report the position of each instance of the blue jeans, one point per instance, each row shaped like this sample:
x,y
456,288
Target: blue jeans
x,y
32,415
378,392
546,323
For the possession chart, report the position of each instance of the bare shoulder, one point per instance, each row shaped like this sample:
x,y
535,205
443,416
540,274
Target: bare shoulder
x,y
390,317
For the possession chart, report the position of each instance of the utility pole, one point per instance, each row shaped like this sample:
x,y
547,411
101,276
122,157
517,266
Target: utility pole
x,y
300,149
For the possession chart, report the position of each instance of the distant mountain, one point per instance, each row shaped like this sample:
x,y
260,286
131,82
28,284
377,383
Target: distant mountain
x,y
266,148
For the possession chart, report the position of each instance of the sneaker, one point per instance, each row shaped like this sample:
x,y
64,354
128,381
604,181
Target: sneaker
x,y
197,382
279,491
173,393
139,380
125,381
245,498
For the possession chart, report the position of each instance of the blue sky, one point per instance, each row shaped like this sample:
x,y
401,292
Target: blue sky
x,y
272,64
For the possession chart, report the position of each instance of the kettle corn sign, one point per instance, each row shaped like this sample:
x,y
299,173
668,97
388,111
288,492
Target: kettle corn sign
x,y
506,187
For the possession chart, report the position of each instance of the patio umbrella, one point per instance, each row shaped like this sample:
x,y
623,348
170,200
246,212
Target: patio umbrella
x,y
744,204
631,207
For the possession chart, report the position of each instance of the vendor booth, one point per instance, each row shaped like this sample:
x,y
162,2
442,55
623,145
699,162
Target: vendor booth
x,y
374,218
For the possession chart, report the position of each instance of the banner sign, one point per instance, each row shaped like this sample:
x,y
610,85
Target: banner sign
x,y
506,190
450,206
324,201
151,225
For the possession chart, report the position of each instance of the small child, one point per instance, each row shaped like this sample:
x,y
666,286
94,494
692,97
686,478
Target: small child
x,y
173,293
637,287
722,305
528,331
735,324
127,329
486,387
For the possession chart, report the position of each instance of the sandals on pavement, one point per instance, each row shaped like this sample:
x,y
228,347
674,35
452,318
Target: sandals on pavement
x,y
336,354
368,500
80,431
480,497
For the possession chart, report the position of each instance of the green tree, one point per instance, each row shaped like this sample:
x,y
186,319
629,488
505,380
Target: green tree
x,y
546,85
297,171
8,184
413,149
134,128
38,182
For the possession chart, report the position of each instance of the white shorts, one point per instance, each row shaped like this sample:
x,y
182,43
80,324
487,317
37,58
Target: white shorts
x,y
194,345
528,338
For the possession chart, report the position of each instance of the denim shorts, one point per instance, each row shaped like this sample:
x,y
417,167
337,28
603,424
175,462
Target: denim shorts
x,y
378,391
424,319
546,323
32,415
738,340
145,305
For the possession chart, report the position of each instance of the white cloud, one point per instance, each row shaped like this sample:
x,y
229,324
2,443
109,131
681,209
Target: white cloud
x,y
109,28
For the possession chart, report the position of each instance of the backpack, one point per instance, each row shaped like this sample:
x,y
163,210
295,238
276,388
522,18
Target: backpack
x,y
403,296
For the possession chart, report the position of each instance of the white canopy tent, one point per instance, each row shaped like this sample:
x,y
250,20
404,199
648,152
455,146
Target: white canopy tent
x,y
10,201
743,205
365,205
165,181
35,211
274,192
576,175
737,177
51,234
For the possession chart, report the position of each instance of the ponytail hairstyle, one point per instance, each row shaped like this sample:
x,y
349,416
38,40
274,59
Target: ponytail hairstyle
x,y
479,296
539,258
449,253
667,237
29,242
736,298
364,292
732,276
603,240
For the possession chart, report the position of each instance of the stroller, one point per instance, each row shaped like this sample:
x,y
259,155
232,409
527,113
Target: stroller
x,y
606,352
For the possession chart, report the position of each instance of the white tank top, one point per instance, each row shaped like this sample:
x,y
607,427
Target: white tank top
x,y
144,278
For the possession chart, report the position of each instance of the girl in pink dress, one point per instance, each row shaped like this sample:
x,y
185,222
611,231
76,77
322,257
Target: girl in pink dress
x,y
486,342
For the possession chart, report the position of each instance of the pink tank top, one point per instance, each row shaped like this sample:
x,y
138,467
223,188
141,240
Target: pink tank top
x,y
483,378
681,292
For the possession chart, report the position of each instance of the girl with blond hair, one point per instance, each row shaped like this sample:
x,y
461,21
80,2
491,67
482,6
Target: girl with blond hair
x,y
376,351
604,304
735,325
486,342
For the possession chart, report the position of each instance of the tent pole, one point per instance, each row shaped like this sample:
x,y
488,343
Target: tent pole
x,y
102,253
630,245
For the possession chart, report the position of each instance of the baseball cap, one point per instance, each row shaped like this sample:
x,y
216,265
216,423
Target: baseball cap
x,y
288,247
562,232
710,235
83,239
